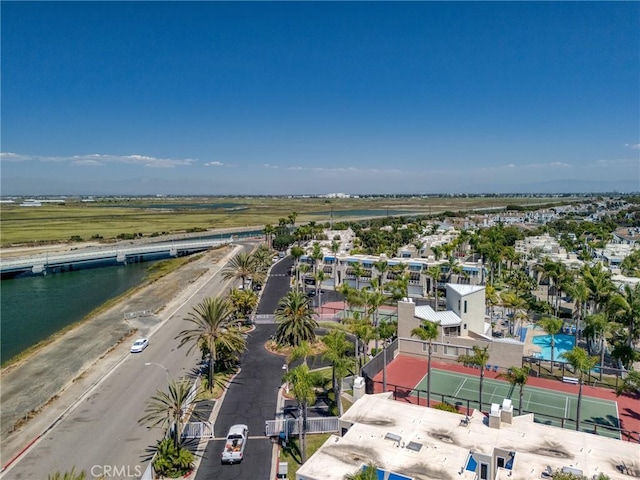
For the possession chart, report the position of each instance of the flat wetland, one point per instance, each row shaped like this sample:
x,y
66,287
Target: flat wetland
x,y
109,219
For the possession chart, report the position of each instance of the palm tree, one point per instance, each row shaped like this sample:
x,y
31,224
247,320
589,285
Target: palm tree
x,y
337,349
480,357
303,386
517,376
295,320
268,231
319,277
630,384
214,325
434,272
382,267
427,332
368,472
598,325
582,364
70,475
625,307
242,266
169,409
243,302
552,326
296,253
599,283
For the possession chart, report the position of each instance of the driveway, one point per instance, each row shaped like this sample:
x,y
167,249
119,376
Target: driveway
x,y
276,287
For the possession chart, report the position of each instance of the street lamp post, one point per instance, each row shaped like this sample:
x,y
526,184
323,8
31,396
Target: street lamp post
x,y
166,370
285,367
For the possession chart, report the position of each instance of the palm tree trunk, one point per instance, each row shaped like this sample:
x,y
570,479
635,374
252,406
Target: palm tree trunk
x,y
429,377
603,348
304,434
520,404
212,363
481,381
579,405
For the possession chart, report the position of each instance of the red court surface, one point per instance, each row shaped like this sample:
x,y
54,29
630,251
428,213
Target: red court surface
x,y
405,371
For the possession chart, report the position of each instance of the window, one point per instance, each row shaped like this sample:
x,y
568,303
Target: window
x,y
484,471
464,326
465,307
449,350
500,462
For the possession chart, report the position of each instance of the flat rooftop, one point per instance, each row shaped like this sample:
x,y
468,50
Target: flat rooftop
x,y
426,443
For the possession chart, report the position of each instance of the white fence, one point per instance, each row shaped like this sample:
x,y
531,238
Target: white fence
x,y
291,426
198,430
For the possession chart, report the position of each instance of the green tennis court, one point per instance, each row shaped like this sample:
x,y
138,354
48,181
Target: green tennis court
x,y
550,407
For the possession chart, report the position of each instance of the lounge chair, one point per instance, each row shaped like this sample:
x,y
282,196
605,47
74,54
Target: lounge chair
x,y
495,368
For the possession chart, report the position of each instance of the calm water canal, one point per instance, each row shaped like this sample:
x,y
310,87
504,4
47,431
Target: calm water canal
x,y
33,308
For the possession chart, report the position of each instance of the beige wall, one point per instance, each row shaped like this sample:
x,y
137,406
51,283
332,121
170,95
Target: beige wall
x,y
502,353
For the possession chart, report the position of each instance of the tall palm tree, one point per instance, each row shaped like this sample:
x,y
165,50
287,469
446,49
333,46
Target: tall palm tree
x,y
552,326
296,253
268,231
319,277
368,472
242,266
303,386
480,357
337,349
517,376
598,281
434,272
598,326
427,332
213,323
625,308
169,409
295,317
382,267
292,219
582,364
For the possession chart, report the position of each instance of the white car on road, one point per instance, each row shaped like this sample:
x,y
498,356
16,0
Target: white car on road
x,y
139,345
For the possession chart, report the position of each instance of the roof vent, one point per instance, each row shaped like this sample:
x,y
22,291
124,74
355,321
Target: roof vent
x,y
393,437
414,446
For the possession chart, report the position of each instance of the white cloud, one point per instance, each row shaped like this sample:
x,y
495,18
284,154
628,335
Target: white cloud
x,y
97,159
633,146
12,157
266,165
213,164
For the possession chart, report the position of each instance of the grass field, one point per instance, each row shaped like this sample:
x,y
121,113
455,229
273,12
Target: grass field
x,y
112,217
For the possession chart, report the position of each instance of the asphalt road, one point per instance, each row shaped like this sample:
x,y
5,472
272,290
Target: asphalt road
x,y
252,396
102,435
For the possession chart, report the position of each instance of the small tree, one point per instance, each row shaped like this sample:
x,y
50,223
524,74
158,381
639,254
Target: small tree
x,y
552,326
517,376
582,363
479,357
427,332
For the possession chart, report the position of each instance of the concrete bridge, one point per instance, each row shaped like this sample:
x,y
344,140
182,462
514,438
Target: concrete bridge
x,y
60,262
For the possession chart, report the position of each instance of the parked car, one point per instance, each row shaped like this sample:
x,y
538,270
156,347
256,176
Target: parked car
x,y
139,345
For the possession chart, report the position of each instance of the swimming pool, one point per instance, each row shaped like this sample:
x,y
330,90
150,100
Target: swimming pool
x,y
564,343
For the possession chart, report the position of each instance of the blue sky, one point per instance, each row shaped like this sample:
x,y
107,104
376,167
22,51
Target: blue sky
x,y
288,98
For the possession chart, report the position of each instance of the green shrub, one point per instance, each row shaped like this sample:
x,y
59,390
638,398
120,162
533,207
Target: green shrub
x,y
447,407
171,462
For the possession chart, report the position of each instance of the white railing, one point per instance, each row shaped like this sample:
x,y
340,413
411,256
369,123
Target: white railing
x,y
198,430
291,426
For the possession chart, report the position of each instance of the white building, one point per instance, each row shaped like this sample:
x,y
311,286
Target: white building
x,y
411,442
